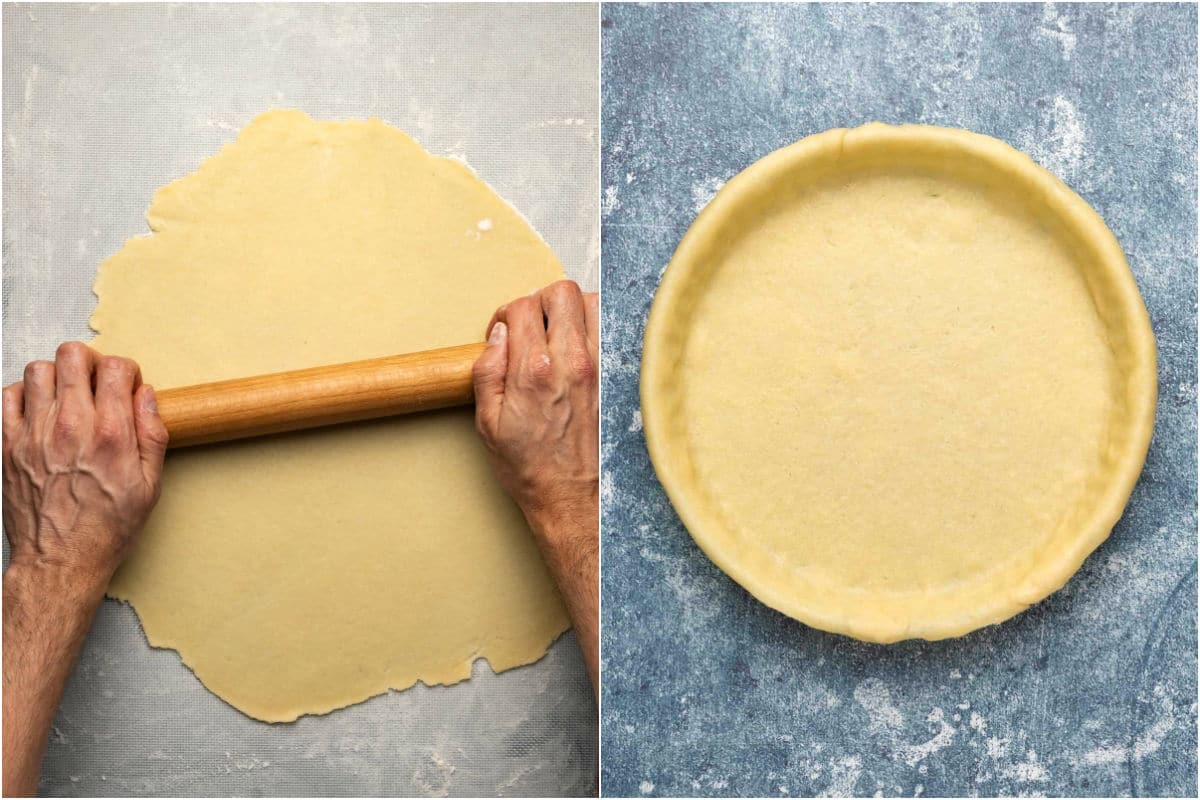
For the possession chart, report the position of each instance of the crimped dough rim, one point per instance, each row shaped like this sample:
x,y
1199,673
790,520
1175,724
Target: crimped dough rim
x,y
852,611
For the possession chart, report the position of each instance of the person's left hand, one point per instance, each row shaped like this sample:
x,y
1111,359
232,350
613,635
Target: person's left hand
x,y
83,455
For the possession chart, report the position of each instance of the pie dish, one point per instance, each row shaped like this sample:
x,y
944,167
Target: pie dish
x,y
898,381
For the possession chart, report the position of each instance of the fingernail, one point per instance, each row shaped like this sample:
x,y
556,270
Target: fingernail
x,y
498,334
149,401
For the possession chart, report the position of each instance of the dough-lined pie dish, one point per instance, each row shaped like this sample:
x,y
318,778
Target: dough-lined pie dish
x,y
898,382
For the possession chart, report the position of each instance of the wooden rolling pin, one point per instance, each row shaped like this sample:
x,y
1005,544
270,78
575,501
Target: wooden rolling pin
x,y
309,398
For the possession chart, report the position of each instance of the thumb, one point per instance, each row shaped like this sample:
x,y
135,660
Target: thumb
x,y
490,373
151,433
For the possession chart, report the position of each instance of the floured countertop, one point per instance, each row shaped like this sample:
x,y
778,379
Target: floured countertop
x,y
709,692
105,104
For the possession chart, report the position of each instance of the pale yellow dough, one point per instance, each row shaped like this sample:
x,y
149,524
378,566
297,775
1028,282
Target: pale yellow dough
x,y
898,381
306,572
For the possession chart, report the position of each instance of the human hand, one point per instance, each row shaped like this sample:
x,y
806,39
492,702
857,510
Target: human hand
x,y
82,465
536,402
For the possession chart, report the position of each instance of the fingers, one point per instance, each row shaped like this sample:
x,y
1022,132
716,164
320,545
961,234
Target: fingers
x,y
39,389
559,319
562,304
527,346
500,315
116,379
152,436
74,365
490,374
591,316
14,413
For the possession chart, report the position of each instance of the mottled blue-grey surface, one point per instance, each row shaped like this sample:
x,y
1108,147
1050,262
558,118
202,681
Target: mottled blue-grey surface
x,y
708,692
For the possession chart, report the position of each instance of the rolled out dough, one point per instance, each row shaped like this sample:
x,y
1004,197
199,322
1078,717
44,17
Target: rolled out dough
x,y
310,571
898,381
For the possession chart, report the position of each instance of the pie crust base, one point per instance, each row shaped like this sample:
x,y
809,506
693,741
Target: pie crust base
x,y
898,382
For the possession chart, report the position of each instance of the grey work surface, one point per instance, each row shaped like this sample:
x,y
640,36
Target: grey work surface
x,y
706,691
105,104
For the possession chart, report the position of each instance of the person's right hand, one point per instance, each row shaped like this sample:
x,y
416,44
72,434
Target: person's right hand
x,y
83,455
537,404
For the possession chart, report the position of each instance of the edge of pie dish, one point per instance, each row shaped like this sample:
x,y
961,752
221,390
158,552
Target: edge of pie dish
x,y
999,596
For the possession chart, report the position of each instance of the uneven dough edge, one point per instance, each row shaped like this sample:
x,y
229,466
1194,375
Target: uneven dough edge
x,y
457,674
861,615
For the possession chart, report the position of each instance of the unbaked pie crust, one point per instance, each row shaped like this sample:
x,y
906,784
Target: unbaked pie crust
x,y
898,382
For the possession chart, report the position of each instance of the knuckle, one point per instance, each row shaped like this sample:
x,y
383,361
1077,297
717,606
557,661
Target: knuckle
x,y
38,371
540,369
116,366
581,366
564,290
71,351
155,436
67,426
115,371
109,431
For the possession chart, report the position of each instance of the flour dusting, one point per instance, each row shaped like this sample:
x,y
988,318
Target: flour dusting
x,y
1145,744
997,746
704,191
1028,771
844,779
611,201
916,753
876,700
1056,26
1059,141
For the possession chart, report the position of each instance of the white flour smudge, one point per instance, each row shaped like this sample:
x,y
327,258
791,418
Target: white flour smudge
x,y
997,746
845,773
695,605
636,424
886,720
566,122
1106,754
916,753
876,700
611,201
1144,745
30,81
1028,771
646,787
1058,144
704,191
434,775
1056,27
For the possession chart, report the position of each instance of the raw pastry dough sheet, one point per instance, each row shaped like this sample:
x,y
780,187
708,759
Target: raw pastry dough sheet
x,y
300,573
